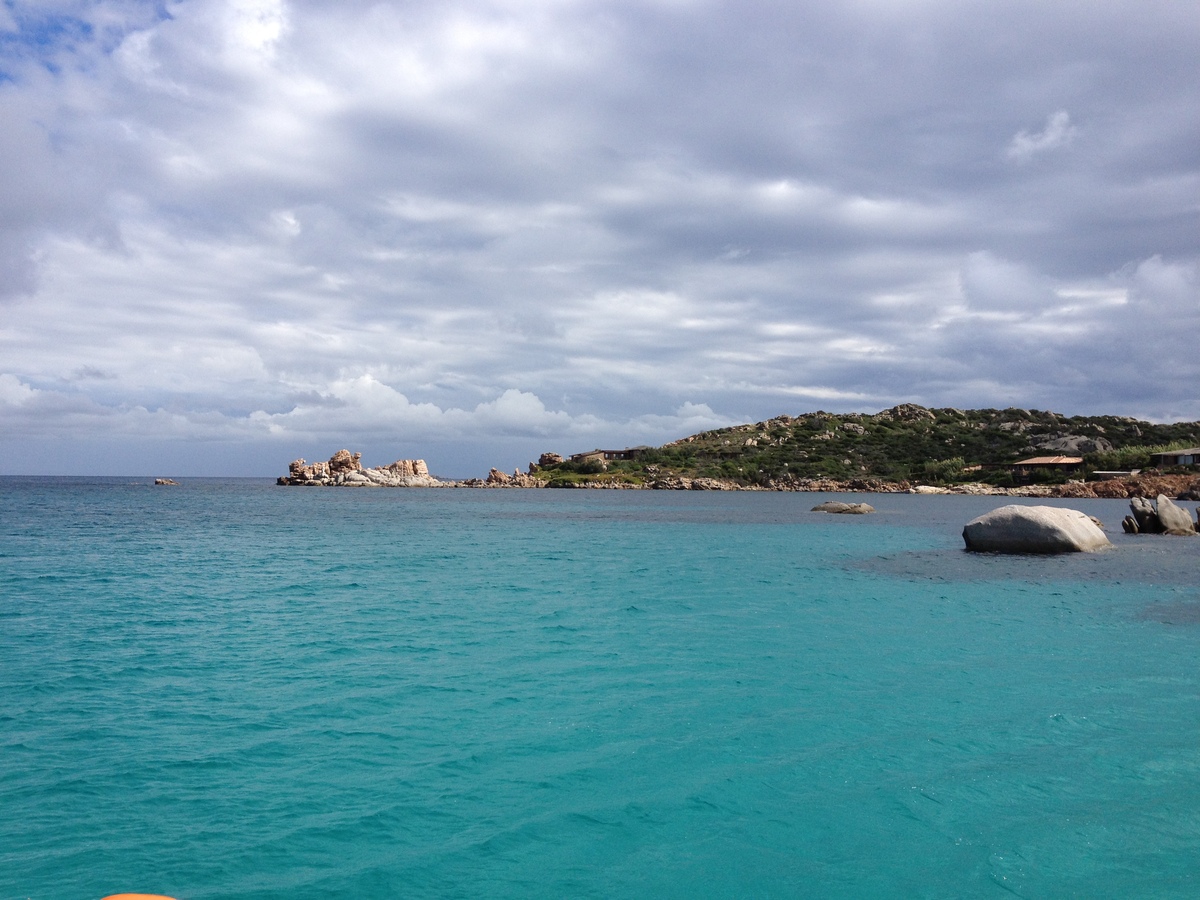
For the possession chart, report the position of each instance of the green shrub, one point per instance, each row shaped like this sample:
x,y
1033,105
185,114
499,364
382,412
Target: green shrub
x,y
580,467
944,470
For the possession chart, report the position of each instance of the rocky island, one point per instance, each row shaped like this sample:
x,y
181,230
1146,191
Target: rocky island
x,y
345,469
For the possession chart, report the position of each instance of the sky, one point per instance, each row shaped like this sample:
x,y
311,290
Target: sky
x,y
470,231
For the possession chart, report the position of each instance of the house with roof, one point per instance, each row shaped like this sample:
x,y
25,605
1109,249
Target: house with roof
x,y
1188,457
1023,470
606,456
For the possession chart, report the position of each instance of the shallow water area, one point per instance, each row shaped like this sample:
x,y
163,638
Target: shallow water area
x,y
230,689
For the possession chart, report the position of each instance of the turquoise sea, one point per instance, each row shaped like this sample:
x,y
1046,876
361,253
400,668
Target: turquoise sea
x,y
229,689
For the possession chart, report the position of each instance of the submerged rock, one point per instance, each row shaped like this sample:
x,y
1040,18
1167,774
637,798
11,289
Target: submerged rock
x,y
1034,529
837,506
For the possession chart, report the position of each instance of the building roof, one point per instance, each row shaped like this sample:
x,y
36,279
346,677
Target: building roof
x,y
1051,461
1190,451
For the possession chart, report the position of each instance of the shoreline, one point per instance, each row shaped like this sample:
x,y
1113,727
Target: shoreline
x,y
1179,487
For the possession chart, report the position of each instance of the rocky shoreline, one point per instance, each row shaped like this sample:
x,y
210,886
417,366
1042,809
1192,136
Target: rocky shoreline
x,y
345,469
1181,487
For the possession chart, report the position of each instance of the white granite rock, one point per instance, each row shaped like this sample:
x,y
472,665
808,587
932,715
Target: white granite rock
x,y
1034,529
1174,519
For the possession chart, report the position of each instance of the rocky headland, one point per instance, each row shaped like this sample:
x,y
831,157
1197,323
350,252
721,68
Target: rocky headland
x,y
908,448
345,469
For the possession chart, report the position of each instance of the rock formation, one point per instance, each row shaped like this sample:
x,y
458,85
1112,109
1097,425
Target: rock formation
x,y
1160,516
1034,529
299,472
677,483
343,463
1075,444
166,481
1174,520
498,479
345,469
1181,486
838,507
409,468
906,412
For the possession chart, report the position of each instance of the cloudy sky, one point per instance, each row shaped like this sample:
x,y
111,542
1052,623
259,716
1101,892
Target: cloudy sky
x,y
234,232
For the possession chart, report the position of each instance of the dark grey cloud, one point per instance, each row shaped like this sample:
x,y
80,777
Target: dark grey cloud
x,y
500,227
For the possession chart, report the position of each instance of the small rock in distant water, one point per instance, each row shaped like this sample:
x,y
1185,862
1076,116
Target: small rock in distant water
x,y
166,481
837,506
1034,529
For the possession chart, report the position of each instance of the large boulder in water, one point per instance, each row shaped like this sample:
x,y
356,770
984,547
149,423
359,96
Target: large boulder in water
x,y
1174,519
1160,516
1034,529
1146,516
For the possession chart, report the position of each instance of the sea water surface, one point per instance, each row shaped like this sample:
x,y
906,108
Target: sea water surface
x,y
228,689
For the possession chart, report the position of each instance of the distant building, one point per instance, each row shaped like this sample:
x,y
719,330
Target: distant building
x,y
1025,468
1189,457
1108,475
604,456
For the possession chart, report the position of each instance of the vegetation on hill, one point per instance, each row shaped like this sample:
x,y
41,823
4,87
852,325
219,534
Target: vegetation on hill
x,y
905,443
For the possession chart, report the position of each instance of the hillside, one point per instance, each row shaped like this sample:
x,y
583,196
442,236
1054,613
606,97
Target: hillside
x,y
906,443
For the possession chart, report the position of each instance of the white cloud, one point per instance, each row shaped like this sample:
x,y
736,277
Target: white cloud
x,y
992,284
350,411
1175,285
13,392
1059,132
253,28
